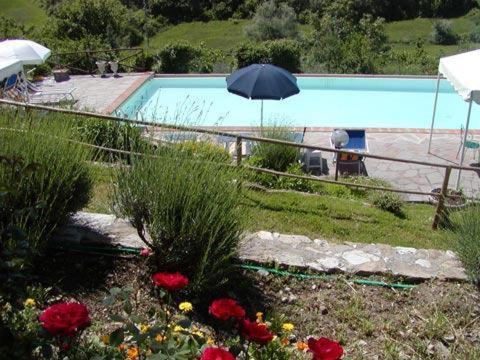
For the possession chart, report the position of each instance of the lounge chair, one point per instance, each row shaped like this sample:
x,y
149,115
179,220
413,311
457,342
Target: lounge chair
x,y
18,88
353,164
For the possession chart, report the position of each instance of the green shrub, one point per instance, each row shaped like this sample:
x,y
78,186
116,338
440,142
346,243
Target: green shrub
x,y
182,57
273,156
443,33
388,201
273,20
58,178
286,54
251,53
289,183
474,35
111,134
202,150
190,209
465,235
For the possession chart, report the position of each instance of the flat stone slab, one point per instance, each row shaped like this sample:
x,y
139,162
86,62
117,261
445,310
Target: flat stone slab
x,y
291,250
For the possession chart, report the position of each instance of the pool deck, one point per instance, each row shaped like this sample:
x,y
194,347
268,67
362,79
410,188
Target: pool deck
x,y
104,95
101,95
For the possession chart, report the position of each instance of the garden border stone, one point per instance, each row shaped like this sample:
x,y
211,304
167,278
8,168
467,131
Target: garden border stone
x,y
290,250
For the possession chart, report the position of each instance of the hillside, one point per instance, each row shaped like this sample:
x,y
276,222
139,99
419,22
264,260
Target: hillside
x,y
224,35
27,12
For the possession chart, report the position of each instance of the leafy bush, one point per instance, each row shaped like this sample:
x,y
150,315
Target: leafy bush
x,y
465,234
474,35
57,183
111,134
251,53
190,208
388,201
202,150
273,156
350,47
273,20
284,53
182,57
443,33
288,183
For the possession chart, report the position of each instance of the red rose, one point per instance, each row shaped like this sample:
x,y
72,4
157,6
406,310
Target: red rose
x,y
225,309
170,281
325,349
212,353
65,318
254,331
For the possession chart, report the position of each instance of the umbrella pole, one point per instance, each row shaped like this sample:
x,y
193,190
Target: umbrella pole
x,y
261,115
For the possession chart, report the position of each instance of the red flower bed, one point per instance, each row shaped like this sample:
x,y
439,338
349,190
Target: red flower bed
x,y
212,353
65,318
325,349
225,309
256,332
170,281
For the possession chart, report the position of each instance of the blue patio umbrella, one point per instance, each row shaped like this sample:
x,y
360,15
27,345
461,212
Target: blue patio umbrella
x,y
262,82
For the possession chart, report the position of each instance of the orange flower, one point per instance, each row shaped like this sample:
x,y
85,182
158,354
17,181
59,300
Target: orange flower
x,y
284,341
302,346
133,353
121,347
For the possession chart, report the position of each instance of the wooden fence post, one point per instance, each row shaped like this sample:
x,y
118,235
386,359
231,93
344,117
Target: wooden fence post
x,y
338,156
441,199
239,150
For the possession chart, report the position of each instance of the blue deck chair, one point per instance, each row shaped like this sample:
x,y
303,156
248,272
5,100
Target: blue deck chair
x,y
351,163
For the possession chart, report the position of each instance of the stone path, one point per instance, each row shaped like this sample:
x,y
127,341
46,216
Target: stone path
x,y
291,250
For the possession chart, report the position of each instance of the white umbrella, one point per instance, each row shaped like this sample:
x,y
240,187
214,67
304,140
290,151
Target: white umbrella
x,y
9,67
26,51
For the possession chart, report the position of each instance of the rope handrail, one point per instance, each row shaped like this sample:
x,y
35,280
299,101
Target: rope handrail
x,y
228,134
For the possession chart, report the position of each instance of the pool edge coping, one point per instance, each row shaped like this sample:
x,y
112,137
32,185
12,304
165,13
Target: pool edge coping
x,y
137,84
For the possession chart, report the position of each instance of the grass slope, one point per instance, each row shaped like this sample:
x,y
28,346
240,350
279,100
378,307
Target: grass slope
x,y
225,35
332,218
28,12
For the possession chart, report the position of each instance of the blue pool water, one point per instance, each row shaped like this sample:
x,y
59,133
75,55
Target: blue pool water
x,y
322,102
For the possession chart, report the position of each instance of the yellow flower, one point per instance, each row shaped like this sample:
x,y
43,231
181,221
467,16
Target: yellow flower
x,y
210,341
288,327
302,346
132,353
144,328
106,339
259,316
185,306
29,302
178,328
160,338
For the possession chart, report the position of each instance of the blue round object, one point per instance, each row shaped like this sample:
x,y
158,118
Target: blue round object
x,y
262,82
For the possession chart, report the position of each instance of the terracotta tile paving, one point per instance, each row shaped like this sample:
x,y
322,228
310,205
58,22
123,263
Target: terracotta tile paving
x,y
411,146
98,94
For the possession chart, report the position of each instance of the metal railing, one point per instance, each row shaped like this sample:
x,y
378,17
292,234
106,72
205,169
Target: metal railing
x,y
442,196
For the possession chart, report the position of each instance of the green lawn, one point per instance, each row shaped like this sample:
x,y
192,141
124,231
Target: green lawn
x,y
28,12
329,217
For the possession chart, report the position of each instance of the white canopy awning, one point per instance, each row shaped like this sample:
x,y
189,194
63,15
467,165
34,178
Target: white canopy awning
x,y
9,67
463,72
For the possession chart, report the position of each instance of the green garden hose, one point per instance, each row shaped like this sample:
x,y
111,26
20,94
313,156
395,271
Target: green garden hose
x,y
113,251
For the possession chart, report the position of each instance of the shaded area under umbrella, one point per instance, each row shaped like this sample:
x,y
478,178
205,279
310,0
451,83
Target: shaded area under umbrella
x,y
262,82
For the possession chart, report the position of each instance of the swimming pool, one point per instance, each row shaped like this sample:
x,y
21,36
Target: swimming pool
x,y
366,102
